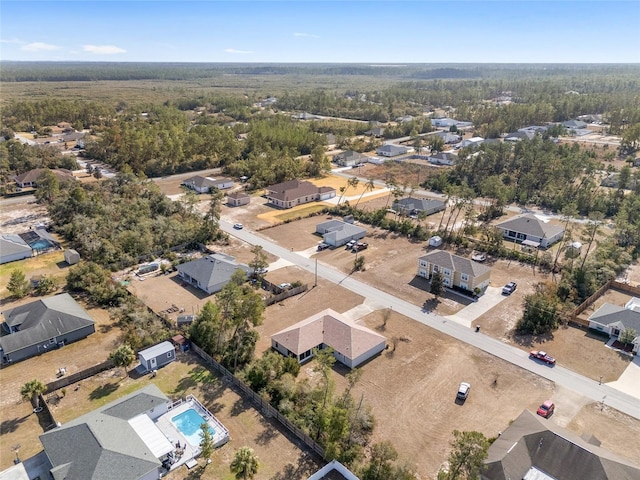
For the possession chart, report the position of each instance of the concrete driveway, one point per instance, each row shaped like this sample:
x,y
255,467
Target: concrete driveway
x,y
492,297
629,381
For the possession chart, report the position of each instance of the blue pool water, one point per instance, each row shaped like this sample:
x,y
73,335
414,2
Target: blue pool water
x,y
41,244
188,423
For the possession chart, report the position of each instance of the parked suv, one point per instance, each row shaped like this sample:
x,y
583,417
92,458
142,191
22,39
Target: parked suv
x,y
509,288
463,391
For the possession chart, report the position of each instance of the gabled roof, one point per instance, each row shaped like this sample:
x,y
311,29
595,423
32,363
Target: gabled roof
x,y
447,156
103,445
420,204
350,154
520,135
42,320
337,229
391,148
614,315
574,124
155,350
238,195
332,329
293,189
530,225
62,174
455,263
532,444
205,182
212,269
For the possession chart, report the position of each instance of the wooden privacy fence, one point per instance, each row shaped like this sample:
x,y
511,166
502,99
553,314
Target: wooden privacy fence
x,y
267,409
81,375
285,294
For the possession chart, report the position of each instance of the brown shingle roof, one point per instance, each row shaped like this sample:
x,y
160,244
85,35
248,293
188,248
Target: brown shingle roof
x,y
287,191
31,176
332,329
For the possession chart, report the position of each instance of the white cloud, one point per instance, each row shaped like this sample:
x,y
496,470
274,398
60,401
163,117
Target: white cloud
x,y
233,50
39,47
103,49
11,40
307,35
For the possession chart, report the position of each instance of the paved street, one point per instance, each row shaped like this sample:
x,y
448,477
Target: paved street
x,y
561,376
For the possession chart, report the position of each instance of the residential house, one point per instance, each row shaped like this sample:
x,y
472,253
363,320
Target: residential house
x,y
392,150
297,192
443,158
456,271
237,199
13,248
613,320
376,132
156,356
449,122
528,228
353,344
334,470
30,178
472,142
202,184
574,124
337,233
519,136
414,206
349,158
539,129
118,440
331,141
212,272
305,116
43,325
405,119
449,137
534,448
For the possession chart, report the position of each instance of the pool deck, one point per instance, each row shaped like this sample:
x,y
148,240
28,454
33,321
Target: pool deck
x,y
166,426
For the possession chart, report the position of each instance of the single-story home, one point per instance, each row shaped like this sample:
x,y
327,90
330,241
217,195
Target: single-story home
x,y
333,469
337,233
529,228
30,178
613,320
456,271
443,158
43,325
156,356
534,129
202,184
297,192
237,199
377,132
574,124
449,122
349,158
392,150
449,137
519,136
353,344
405,119
305,116
534,448
212,272
472,142
414,206
13,248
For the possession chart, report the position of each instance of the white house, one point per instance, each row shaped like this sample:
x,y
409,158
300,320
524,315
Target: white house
x,y
613,320
391,150
337,233
13,247
528,228
472,142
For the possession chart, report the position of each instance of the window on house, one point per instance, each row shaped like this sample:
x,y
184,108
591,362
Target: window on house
x,y
446,282
423,264
464,277
52,341
436,268
447,272
169,354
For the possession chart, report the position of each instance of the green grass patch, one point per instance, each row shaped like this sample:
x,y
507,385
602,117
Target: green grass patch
x,y
301,213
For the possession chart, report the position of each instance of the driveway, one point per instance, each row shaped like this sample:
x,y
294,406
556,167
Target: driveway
x,y
492,297
629,381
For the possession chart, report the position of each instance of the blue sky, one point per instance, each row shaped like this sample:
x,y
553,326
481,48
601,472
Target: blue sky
x,y
418,31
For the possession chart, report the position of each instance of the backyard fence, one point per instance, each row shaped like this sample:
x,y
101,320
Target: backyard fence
x,y
283,293
611,284
45,417
266,408
81,375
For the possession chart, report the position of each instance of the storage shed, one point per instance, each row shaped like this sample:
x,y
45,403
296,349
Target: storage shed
x,y
71,256
157,356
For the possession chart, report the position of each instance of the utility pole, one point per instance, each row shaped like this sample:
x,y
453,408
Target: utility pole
x,y
315,282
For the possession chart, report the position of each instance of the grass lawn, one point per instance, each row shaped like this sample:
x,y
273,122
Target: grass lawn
x,y
50,264
302,212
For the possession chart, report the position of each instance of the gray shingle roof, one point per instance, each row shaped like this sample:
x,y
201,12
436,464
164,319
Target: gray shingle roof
x,y
212,269
102,445
42,320
531,441
11,243
420,204
609,314
339,230
530,225
455,263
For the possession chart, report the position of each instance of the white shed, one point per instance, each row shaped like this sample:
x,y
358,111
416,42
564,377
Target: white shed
x,y
435,241
71,256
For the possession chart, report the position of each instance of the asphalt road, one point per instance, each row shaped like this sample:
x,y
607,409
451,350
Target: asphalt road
x,y
561,376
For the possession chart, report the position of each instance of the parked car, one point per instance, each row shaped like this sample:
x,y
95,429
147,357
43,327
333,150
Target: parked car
x,y
360,246
463,391
509,288
284,286
323,246
350,244
546,409
479,257
544,356
238,226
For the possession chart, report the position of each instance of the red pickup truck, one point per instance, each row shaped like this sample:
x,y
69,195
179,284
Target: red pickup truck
x,y
540,355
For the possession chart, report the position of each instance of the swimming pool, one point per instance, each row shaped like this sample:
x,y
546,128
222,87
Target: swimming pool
x,y
188,423
41,244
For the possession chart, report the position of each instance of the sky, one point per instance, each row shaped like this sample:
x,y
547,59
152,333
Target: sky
x,y
335,31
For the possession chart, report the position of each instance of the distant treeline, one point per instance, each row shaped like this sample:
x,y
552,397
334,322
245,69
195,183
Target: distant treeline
x,y
93,71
